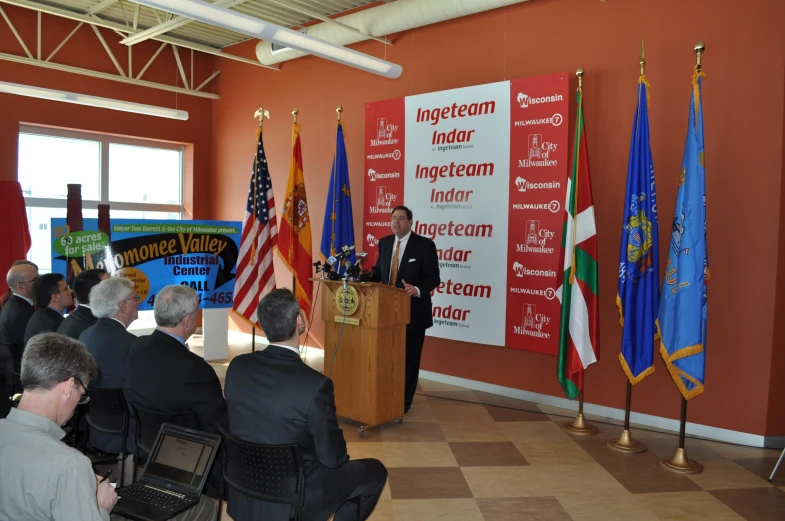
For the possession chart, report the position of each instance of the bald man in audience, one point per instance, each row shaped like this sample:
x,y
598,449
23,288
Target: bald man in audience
x,y
82,317
7,295
13,322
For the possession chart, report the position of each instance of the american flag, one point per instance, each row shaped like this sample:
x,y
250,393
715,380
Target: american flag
x,y
255,274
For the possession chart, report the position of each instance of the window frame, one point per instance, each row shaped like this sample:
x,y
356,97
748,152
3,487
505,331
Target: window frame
x,y
105,140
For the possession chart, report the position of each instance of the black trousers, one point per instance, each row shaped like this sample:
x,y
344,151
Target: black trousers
x,y
415,337
367,491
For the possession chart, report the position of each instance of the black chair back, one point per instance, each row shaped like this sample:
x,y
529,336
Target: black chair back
x,y
268,472
107,411
148,423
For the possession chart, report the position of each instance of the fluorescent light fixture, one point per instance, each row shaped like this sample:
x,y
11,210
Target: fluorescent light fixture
x,y
243,24
91,101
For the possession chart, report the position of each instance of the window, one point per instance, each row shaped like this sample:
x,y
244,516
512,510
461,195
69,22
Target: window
x,y
138,179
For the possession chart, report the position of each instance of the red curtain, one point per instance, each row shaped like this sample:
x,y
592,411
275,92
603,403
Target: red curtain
x,y
15,239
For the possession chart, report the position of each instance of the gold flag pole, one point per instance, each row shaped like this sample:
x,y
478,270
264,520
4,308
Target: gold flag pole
x,y
680,463
625,443
291,223
339,109
260,114
579,425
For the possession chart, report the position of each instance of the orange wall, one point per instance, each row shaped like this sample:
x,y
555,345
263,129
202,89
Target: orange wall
x,y
84,50
743,104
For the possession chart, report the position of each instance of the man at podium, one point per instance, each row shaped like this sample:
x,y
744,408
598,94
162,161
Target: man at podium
x,y
409,261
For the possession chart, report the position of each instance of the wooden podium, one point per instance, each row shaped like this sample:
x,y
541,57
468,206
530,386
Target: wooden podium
x,y
368,371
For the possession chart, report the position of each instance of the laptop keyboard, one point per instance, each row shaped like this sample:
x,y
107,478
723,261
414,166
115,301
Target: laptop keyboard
x,y
166,501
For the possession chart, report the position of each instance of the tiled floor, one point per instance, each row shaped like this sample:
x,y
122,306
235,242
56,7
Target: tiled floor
x,y
462,455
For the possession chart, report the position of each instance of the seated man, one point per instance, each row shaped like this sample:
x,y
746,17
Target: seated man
x,y
13,321
164,376
82,317
116,304
52,298
274,398
8,294
43,478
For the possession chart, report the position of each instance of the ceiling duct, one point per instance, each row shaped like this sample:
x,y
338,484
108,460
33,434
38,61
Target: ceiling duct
x,y
390,18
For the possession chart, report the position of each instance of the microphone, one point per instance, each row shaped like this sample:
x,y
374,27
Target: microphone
x,y
345,252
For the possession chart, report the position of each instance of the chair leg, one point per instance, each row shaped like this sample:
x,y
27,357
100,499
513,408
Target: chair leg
x,y
221,500
774,472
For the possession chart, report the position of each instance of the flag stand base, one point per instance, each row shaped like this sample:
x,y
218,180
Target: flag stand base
x,y
579,427
681,464
626,444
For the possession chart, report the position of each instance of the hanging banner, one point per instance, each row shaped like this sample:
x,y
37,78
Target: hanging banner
x,y
154,254
484,171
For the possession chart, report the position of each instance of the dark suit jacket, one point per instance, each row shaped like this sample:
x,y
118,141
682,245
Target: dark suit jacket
x,y
13,321
164,376
274,398
76,322
44,320
419,267
109,343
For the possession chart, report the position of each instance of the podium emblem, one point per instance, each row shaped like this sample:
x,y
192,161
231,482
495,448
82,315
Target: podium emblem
x,y
347,300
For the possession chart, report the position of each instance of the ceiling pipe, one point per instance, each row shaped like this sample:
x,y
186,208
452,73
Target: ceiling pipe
x,y
390,18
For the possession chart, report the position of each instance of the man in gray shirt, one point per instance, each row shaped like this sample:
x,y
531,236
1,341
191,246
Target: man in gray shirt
x,y
42,477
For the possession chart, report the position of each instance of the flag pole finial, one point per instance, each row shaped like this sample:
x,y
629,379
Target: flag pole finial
x,y
579,74
643,58
260,114
699,48
294,114
338,110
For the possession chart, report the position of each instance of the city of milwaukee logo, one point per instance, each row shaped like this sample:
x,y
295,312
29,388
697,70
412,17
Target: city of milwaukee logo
x,y
533,322
536,239
384,133
539,153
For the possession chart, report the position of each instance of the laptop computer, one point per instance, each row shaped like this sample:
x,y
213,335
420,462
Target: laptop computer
x,y
174,477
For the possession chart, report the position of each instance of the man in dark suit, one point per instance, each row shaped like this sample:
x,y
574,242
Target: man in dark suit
x,y
52,297
13,321
8,294
82,317
164,376
116,304
409,261
275,398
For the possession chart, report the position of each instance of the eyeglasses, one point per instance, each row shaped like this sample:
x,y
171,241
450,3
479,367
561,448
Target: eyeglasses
x,y
399,218
66,288
85,397
136,297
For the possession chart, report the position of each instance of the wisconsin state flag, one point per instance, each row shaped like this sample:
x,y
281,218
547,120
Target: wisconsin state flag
x,y
294,239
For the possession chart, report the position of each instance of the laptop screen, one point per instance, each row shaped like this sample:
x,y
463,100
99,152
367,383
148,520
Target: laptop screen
x,y
180,460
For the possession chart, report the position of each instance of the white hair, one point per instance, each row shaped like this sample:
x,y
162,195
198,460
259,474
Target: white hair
x,y
173,303
107,295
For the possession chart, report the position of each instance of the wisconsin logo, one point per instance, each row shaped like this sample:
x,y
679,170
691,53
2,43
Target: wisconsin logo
x,y
372,241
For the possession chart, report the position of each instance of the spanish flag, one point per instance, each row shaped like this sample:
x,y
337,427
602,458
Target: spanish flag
x,y
294,239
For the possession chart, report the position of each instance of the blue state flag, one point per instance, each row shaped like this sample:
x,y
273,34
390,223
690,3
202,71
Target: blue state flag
x,y
684,302
338,230
638,296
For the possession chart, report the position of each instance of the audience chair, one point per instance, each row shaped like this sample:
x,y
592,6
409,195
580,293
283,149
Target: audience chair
x,y
107,412
268,472
148,423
